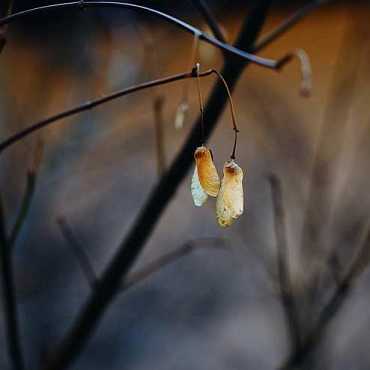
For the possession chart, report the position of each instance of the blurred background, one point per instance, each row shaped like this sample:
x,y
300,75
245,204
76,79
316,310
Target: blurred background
x,y
217,308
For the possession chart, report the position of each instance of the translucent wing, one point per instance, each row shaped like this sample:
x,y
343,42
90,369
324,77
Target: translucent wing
x,y
207,173
199,195
230,200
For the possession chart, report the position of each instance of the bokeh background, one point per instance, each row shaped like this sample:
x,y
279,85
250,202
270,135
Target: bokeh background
x,y
218,308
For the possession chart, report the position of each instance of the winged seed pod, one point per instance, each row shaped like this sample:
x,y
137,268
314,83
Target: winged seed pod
x,y
199,195
230,200
207,173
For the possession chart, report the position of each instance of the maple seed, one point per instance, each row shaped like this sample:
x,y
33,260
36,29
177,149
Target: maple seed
x,y
207,173
230,200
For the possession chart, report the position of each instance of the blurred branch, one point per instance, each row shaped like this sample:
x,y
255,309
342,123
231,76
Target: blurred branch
x,y
7,9
28,194
9,299
335,303
140,275
288,300
94,103
235,51
159,134
134,242
287,24
209,17
79,252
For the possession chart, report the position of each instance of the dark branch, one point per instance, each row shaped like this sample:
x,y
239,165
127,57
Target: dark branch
x,y
79,252
335,303
159,134
92,104
210,19
138,276
28,194
288,300
268,63
9,299
287,24
131,246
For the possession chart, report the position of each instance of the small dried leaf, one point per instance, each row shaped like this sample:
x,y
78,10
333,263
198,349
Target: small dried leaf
x,y
230,200
181,113
207,173
199,195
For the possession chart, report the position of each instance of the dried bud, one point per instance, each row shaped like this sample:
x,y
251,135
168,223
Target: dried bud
x,y
207,173
230,200
181,113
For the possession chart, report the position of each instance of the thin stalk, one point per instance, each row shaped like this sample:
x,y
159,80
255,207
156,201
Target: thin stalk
x,y
232,110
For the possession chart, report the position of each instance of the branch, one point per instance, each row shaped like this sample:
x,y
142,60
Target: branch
x,y
247,57
28,195
287,24
79,252
210,19
131,246
94,103
138,276
9,299
334,304
159,135
288,301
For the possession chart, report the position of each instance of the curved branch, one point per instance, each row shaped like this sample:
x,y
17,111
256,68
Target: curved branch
x,y
94,103
268,63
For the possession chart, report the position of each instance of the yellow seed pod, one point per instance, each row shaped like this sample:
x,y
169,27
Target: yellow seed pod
x,y
207,173
230,200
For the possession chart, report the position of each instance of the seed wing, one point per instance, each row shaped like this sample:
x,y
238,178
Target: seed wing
x,y
207,172
197,192
230,200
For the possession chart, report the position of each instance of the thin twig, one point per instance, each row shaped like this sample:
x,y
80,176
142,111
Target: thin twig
x,y
159,134
268,63
287,24
167,259
335,303
133,243
94,103
288,299
28,194
9,299
3,29
209,17
79,252
139,275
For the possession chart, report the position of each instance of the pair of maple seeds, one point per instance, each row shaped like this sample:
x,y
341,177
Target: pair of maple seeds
x,y
206,182
229,193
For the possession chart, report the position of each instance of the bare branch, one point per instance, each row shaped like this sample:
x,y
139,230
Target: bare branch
x,y
28,195
168,259
79,252
210,19
159,134
335,303
268,63
9,299
288,300
287,24
94,103
144,272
